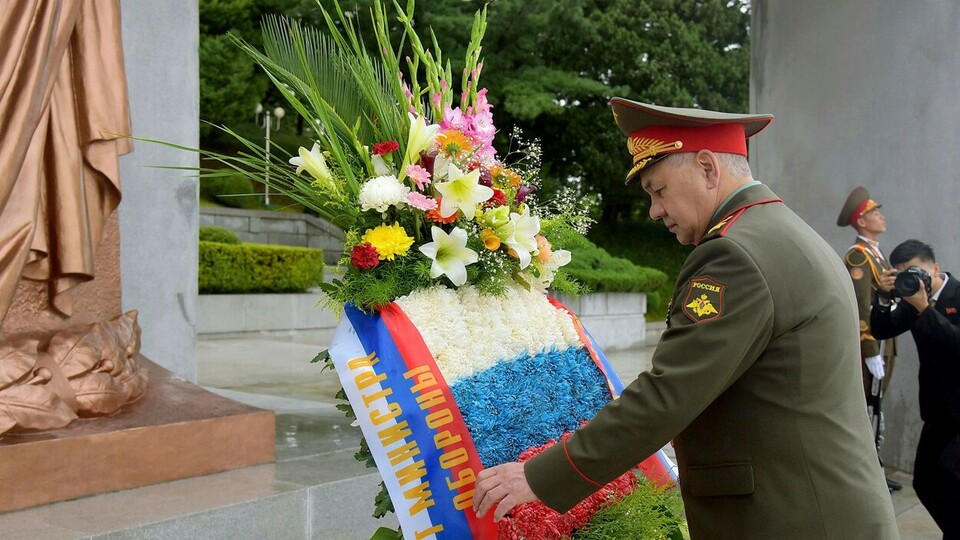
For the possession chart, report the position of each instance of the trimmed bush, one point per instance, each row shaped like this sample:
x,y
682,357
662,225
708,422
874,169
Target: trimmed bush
x,y
232,190
220,235
258,268
602,272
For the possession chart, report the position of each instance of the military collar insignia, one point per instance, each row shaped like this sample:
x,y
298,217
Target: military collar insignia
x,y
704,300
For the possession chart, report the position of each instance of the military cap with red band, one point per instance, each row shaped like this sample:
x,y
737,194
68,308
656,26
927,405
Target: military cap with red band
x,y
654,132
857,204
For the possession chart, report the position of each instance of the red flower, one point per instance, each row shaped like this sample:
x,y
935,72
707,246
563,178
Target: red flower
x,y
534,521
384,148
498,198
364,256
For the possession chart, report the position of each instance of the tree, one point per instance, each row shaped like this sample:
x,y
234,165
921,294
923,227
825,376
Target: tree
x,y
553,67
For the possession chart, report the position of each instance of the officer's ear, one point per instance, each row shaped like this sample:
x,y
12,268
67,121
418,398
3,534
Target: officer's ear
x,y
710,165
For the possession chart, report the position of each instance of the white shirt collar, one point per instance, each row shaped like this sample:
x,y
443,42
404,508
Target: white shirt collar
x,y
936,295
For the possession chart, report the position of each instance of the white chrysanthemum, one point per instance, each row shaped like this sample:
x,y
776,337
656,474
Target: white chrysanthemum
x,y
381,193
468,332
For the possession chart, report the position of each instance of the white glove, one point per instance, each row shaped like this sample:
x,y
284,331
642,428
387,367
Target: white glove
x,y
875,365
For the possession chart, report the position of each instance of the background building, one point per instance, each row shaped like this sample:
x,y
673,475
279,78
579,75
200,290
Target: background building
x,y
864,93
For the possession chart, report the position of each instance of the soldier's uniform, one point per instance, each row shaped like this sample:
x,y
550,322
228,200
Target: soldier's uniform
x,y
865,263
755,380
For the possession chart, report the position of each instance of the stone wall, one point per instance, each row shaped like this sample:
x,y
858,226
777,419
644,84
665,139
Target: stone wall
x,y
615,320
864,93
283,228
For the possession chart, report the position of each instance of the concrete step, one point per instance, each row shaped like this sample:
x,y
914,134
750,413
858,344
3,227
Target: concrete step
x,y
315,489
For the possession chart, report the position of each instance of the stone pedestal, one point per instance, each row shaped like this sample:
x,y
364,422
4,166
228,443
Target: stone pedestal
x,y
177,430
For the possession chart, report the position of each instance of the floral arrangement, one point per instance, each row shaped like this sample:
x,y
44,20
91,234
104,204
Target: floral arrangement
x,y
446,238
409,173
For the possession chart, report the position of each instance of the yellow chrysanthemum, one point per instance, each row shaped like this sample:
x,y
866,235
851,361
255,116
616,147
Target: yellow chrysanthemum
x,y
390,241
452,143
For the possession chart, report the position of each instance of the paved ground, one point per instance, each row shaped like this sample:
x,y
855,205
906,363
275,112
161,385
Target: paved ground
x,y
278,375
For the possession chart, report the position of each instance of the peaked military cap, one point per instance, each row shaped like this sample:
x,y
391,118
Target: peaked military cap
x,y
654,132
858,203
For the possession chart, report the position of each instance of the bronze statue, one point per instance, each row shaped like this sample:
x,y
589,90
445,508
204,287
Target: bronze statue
x,y
64,117
64,121
88,371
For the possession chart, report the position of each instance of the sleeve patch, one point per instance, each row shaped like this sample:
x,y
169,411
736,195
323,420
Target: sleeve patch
x,y
704,300
856,272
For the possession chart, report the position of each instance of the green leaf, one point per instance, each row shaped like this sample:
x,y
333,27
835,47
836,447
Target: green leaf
x,y
323,356
383,533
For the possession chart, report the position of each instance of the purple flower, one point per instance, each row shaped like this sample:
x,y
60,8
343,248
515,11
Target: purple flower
x,y
522,193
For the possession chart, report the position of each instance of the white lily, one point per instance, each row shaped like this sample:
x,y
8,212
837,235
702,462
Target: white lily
x,y
380,166
462,191
561,257
313,162
450,254
420,138
523,239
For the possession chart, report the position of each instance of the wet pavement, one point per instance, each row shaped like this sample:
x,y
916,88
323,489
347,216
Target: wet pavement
x,y
277,374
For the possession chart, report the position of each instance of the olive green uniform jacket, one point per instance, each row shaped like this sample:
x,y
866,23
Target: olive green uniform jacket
x,y
757,382
865,266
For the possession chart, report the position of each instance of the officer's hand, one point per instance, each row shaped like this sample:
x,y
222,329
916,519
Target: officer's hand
x,y
505,486
887,278
875,365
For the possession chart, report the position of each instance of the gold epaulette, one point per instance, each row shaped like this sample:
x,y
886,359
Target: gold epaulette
x,y
867,258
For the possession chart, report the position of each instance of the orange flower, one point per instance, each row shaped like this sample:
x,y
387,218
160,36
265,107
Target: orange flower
x,y
453,143
490,239
504,177
543,249
434,215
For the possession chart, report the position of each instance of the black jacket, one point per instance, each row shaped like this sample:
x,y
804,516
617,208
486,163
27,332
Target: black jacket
x,y
937,335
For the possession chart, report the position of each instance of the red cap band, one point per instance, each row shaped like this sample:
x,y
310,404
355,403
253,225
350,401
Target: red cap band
x,y
864,207
728,138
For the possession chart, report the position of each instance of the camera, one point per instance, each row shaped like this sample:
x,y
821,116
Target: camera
x,y
908,281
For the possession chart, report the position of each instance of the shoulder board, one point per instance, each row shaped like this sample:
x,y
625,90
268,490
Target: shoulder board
x,y
721,228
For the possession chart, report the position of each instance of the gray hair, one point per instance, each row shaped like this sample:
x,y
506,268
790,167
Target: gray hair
x,y
735,163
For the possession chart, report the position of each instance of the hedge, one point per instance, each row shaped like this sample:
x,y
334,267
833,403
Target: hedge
x,y
221,235
602,272
233,190
258,268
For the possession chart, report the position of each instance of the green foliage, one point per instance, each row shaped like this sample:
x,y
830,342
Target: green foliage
x,y
383,533
218,234
555,65
599,271
648,512
379,286
646,243
230,85
231,189
257,268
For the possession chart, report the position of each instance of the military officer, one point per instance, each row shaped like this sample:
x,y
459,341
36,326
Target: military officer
x,y
749,380
865,262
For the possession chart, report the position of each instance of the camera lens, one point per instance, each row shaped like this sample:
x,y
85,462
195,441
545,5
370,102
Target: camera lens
x,y
907,283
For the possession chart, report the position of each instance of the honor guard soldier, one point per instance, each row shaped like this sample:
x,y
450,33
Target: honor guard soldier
x,y
755,381
865,262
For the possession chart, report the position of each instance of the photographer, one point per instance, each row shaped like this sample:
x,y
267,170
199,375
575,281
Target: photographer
x,y
928,305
